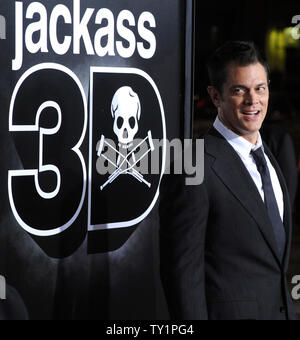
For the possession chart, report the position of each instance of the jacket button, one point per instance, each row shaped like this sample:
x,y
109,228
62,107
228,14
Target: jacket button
x,y
282,309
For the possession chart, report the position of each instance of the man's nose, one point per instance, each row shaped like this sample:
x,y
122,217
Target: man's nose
x,y
251,98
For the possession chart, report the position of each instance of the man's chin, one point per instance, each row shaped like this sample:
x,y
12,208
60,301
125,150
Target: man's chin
x,y
249,131
252,127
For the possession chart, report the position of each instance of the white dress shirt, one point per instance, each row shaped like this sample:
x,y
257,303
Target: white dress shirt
x,y
243,148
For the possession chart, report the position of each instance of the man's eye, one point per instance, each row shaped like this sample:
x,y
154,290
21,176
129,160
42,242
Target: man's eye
x,y
261,89
238,91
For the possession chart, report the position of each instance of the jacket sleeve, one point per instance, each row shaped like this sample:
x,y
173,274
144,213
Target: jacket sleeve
x,y
183,219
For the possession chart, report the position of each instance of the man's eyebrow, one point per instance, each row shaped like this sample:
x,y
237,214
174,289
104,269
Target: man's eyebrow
x,y
263,84
238,86
245,87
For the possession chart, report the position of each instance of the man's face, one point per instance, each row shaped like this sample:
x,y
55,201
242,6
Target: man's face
x,y
243,104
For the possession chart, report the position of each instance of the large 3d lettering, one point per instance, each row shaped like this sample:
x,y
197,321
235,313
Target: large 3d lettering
x,y
48,109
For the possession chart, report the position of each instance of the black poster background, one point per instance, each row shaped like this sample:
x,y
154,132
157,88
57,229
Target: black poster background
x,y
105,274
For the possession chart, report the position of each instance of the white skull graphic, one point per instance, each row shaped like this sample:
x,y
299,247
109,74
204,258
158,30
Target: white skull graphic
x,y
126,111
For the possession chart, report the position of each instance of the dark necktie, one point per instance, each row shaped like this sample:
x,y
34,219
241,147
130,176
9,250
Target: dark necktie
x,y
270,200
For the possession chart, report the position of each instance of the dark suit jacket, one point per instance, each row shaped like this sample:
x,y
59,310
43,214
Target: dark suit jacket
x,y
219,258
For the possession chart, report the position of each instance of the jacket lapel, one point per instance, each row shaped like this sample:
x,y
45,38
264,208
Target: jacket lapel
x,y
230,169
287,205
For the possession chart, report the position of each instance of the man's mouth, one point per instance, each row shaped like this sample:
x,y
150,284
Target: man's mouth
x,y
251,113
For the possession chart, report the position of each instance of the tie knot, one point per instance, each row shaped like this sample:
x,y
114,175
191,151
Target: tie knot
x,y
259,157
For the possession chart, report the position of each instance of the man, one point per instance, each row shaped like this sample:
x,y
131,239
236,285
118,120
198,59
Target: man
x,y
225,244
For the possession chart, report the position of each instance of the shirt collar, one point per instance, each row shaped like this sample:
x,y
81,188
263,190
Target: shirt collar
x,y
240,144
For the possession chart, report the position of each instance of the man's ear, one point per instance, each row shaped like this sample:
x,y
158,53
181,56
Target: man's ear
x,y
214,95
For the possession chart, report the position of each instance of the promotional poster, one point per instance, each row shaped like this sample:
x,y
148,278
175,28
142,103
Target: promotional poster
x,y
100,102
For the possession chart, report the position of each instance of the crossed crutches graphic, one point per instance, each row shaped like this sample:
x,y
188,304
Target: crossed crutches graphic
x,y
126,160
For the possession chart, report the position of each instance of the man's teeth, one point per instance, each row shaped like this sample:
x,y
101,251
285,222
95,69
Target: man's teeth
x,y
251,113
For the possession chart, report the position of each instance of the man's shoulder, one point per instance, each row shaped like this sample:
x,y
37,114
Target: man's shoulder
x,y
214,143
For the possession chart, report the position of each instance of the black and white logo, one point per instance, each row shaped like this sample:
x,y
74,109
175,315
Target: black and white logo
x,y
125,164
126,112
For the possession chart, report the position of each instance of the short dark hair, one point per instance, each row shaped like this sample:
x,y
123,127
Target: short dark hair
x,y
241,53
